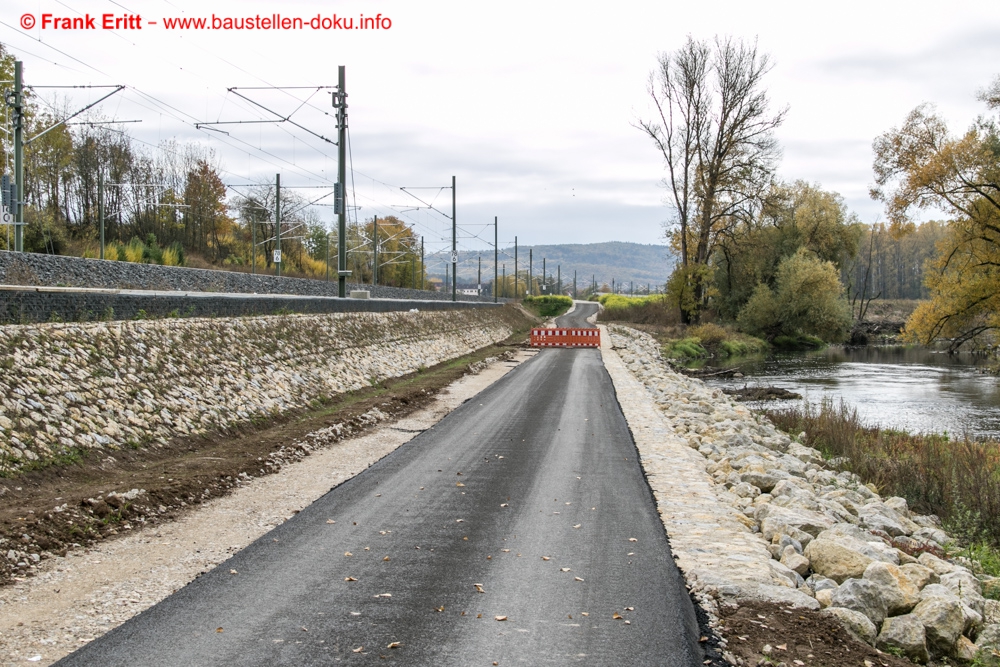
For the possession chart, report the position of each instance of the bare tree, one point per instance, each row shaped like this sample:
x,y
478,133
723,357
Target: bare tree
x,y
715,130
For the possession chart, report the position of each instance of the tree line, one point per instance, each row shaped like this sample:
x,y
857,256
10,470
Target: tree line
x,y
783,259
168,203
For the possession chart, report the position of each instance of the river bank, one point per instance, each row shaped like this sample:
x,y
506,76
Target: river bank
x,y
757,517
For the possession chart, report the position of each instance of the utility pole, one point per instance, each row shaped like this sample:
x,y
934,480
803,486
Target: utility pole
x,y
340,101
479,278
496,257
277,222
531,287
100,205
18,119
613,286
454,246
544,286
559,279
515,268
374,251
422,262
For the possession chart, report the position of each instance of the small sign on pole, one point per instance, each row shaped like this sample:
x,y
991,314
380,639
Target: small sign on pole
x,y
454,257
277,257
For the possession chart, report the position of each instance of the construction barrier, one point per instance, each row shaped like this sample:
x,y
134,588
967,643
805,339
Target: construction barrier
x,y
565,338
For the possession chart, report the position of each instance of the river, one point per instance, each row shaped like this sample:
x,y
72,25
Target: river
x,y
911,389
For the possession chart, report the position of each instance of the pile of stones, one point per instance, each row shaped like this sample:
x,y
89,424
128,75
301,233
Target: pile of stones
x,y
878,567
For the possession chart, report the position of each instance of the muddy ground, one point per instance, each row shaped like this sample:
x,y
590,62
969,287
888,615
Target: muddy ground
x,y
761,633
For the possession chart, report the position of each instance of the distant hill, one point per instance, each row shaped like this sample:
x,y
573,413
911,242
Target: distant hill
x,y
618,260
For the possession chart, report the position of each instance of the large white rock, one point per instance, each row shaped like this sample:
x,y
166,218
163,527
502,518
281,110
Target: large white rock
x,y
904,634
966,587
775,519
795,561
919,575
898,592
835,560
943,622
862,596
855,623
940,567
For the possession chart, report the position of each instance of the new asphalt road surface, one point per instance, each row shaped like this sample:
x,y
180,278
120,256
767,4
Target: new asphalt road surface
x,y
518,530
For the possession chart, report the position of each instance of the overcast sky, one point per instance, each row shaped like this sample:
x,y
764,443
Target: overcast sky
x,y
528,104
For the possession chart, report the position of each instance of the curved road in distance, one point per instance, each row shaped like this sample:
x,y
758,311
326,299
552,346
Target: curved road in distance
x,y
527,503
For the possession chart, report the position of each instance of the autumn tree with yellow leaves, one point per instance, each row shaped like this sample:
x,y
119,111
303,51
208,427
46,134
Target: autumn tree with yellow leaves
x,y
922,166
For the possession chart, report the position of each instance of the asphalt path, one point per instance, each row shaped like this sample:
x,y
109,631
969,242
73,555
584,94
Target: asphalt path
x,y
518,530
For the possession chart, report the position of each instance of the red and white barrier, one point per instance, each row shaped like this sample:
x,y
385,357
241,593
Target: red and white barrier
x,y
565,337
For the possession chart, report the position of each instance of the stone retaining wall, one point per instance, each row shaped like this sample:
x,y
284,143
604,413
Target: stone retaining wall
x,y
111,385
61,271
24,305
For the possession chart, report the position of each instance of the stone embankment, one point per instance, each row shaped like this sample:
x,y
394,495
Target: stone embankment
x,y
754,514
61,271
66,387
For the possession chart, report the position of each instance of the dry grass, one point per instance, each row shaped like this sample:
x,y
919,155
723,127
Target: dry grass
x,y
958,480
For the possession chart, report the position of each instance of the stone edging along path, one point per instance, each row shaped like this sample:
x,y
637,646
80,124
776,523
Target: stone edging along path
x,y
754,515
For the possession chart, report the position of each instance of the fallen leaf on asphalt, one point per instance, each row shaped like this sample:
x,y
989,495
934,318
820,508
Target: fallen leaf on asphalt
x,y
564,569
631,553
569,503
617,616
233,572
632,539
394,645
355,613
459,484
459,520
349,579
503,504
555,512
500,618
578,578
479,588
358,649
384,595
348,553
378,495
305,629
628,622
218,629
330,521
506,551
546,558
500,457
465,539
386,559
367,548
578,525
584,613
479,615
381,532
629,608
441,608
489,558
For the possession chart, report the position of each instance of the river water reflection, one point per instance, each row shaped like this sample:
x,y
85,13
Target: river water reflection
x,y
911,389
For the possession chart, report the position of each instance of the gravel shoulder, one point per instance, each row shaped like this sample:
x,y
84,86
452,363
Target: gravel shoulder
x,y
76,598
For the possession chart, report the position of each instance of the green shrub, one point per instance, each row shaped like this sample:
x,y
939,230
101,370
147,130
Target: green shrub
x,y
550,305
808,299
684,349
